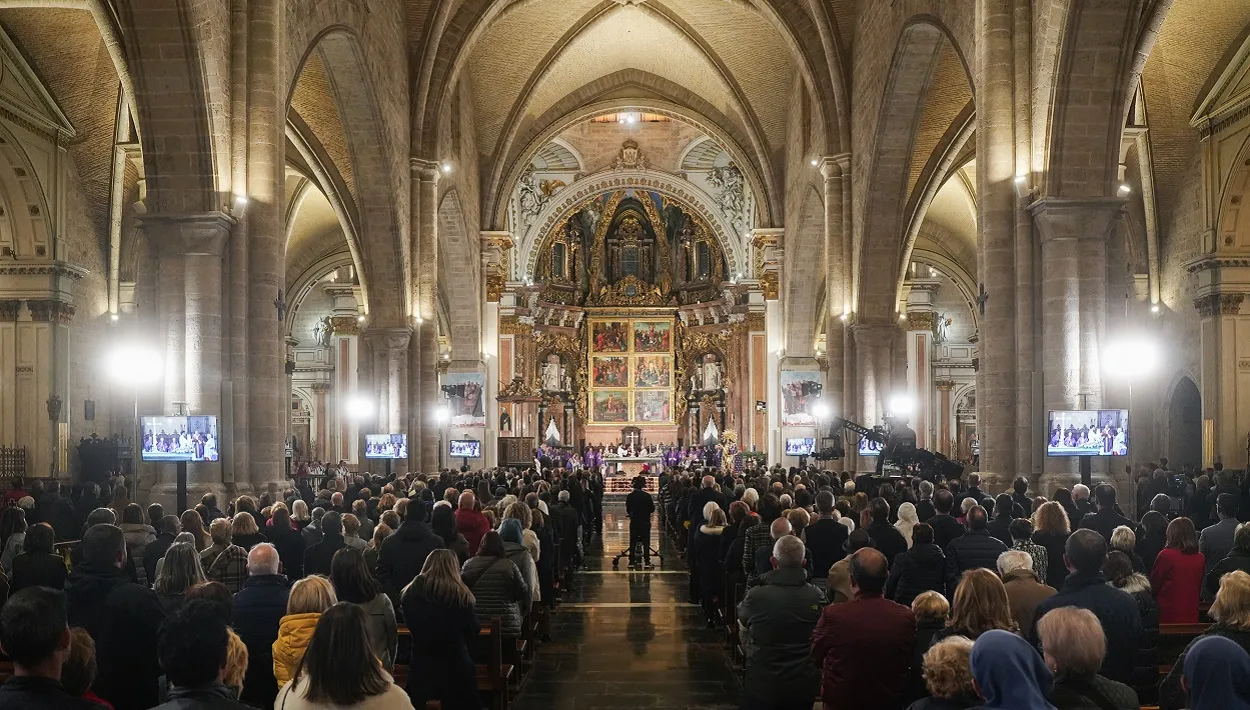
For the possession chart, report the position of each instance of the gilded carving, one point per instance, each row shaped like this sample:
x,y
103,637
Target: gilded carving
x,y
755,323
946,385
922,320
494,286
509,325
345,325
769,283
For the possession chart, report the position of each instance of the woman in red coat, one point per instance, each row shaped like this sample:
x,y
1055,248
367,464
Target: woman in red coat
x,y
1176,577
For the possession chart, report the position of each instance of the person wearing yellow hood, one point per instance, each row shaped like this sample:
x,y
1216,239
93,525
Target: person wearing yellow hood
x,y
309,598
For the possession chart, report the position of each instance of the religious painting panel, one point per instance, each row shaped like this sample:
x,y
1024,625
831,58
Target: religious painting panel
x,y
610,406
465,393
653,336
652,371
610,336
653,406
610,371
799,392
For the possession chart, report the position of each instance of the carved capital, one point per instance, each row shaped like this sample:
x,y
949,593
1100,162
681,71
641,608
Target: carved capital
x,y
1219,304
9,309
944,385
921,320
770,285
345,325
425,170
49,311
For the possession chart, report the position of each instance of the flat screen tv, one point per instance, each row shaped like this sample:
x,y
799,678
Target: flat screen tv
x,y
1087,432
465,449
800,447
386,446
190,438
868,447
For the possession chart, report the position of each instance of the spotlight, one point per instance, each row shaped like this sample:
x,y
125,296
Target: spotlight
x,y
114,317
1125,189
420,320
359,407
445,166
360,319
821,410
901,404
240,200
902,316
1022,179
1154,308
629,118
442,414
844,317
815,162
135,364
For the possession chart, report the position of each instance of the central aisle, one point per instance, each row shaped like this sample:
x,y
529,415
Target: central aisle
x,y
626,639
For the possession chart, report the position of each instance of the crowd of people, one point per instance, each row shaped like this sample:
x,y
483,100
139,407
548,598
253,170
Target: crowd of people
x,y
935,595
293,601
857,593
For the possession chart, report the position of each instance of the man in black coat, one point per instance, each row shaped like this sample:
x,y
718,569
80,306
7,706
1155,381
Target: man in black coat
x,y
403,553
708,493
167,529
258,609
945,526
825,538
639,506
317,558
565,522
122,617
1087,588
58,512
976,548
36,638
889,541
1106,520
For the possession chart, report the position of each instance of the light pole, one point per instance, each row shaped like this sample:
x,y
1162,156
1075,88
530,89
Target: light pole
x,y
441,415
359,409
1129,357
821,411
135,364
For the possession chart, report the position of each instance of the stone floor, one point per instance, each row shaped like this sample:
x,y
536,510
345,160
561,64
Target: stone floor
x,y
625,639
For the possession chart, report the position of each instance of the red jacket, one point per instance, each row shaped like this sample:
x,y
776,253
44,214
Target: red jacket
x,y
474,526
1176,580
865,648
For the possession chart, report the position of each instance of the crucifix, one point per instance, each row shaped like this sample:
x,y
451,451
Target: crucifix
x,y
280,304
631,439
982,297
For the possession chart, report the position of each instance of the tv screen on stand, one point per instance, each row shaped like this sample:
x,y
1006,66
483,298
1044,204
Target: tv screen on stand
x,y
386,446
187,438
465,449
1087,432
800,447
868,447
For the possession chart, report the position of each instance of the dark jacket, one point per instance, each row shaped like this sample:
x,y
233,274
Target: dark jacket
x,y
702,497
123,618
213,697
944,704
258,609
977,548
442,665
890,542
317,557
1092,693
403,555
1056,569
1237,559
565,521
639,506
705,555
825,538
920,569
57,512
290,546
1000,528
925,631
865,647
1104,522
779,616
33,569
30,693
153,554
1146,665
946,529
499,589
1171,695
925,510
1115,609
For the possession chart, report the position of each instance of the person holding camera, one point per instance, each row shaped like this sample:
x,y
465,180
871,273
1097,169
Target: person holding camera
x,y
639,506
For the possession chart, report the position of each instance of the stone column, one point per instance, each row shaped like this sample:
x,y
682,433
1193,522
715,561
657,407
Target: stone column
x,y
1064,226
996,379
347,361
835,170
944,415
397,342
266,254
323,426
424,396
874,366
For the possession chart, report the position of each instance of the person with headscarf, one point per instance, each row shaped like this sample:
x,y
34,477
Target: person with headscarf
x,y
1217,675
907,519
1009,673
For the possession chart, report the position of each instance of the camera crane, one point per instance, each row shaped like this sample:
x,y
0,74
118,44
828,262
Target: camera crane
x,y
838,424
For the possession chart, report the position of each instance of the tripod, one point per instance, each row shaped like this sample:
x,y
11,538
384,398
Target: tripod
x,y
639,553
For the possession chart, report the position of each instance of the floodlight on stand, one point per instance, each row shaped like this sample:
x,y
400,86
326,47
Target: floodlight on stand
x,y
442,414
1124,189
135,364
114,317
359,407
821,410
1130,356
901,405
360,318
446,167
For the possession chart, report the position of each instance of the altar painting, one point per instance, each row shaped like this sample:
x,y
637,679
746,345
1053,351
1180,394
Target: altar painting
x,y
465,403
652,406
610,371
653,337
610,337
799,392
611,406
653,371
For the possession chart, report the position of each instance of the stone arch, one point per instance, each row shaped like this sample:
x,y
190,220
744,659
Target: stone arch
x,y
167,73
881,242
458,279
572,197
804,266
303,283
1184,423
24,214
665,98
384,261
1232,220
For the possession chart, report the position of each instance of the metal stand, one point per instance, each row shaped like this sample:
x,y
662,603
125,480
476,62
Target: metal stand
x,y
1087,475
182,486
641,553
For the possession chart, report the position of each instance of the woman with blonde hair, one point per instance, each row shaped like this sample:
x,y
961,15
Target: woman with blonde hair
x,y
244,532
931,611
236,663
194,524
1073,646
947,676
309,598
1231,613
1051,529
381,531
438,608
980,605
300,515
1125,540
179,572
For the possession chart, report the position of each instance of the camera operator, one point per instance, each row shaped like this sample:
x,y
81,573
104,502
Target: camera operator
x,y
639,506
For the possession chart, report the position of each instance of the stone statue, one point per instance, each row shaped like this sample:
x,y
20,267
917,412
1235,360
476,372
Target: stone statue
x,y
711,375
322,330
731,194
568,383
696,379
943,322
553,374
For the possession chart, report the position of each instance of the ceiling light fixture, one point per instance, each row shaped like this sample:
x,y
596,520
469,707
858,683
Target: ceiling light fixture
x,y
814,162
1125,189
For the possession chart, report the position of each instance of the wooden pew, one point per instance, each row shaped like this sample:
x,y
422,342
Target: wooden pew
x,y
1173,638
493,676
